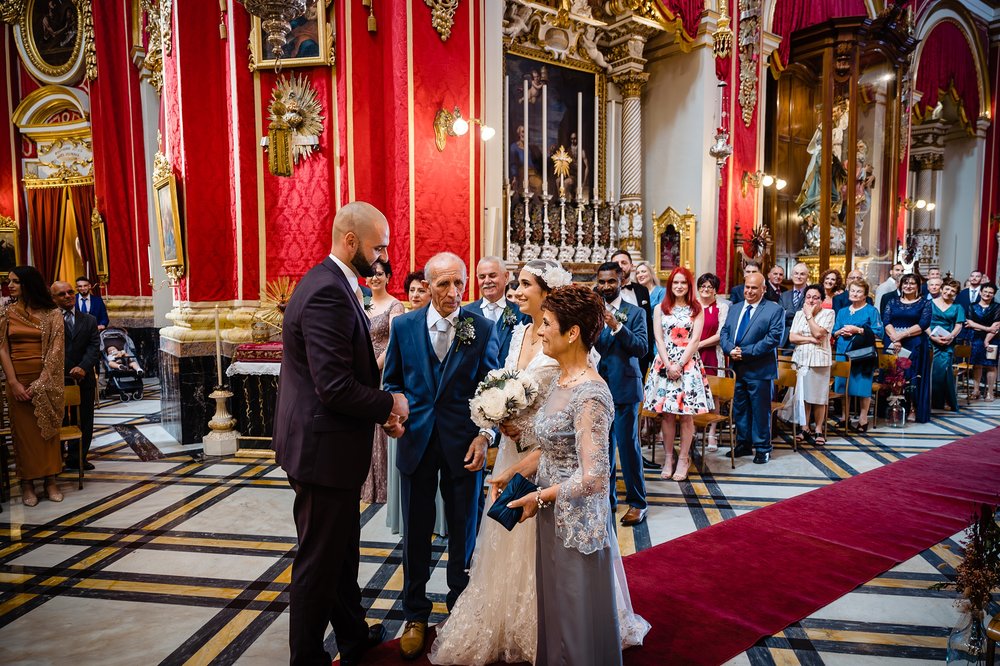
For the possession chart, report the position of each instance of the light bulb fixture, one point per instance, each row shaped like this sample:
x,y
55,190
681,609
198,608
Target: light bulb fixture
x,y
779,183
917,204
930,206
451,123
759,179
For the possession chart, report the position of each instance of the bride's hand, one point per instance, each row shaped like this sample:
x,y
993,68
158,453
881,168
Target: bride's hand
x,y
529,503
510,430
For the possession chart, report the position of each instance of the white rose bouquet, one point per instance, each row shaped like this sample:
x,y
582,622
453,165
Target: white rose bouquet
x,y
501,395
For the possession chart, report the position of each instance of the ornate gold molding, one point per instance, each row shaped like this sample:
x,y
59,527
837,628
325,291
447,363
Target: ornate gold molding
x,y
67,72
166,17
10,10
89,48
442,16
749,51
152,63
631,83
684,226
161,168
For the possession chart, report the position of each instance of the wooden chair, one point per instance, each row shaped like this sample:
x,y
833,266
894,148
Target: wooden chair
x,y
723,390
72,431
787,378
885,362
841,368
961,365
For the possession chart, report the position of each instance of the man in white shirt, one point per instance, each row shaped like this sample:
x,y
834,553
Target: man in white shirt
x,y
970,295
890,285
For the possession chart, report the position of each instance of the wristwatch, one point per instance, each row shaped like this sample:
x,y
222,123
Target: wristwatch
x,y
488,434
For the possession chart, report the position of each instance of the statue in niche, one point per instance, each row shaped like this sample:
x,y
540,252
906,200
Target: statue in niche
x,y
863,183
808,200
670,249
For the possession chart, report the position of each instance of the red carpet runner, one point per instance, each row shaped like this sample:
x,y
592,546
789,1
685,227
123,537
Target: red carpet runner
x,y
712,594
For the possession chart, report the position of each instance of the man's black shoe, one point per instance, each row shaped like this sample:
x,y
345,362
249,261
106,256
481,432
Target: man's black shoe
x,y
72,465
376,634
761,457
742,450
649,464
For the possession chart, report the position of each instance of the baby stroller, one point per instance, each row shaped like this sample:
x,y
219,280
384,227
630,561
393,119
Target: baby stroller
x,y
121,367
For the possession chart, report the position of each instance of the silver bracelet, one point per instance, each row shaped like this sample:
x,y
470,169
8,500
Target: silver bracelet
x,y
538,499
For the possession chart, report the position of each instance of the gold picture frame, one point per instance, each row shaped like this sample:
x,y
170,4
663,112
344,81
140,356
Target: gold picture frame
x,y
309,43
168,221
674,241
10,247
100,245
50,36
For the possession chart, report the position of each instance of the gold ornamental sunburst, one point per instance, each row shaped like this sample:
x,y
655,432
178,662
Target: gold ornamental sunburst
x,y
276,295
296,122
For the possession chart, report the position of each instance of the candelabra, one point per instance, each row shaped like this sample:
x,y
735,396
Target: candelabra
x,y
549,250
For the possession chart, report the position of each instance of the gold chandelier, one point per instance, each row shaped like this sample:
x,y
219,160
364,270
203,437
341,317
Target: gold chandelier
x,y
275,18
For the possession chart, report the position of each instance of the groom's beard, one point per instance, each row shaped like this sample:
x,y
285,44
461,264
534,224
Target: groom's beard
x,y
361,265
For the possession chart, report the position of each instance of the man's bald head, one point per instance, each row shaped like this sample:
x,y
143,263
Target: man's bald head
x,y
753,287
360,237
64,295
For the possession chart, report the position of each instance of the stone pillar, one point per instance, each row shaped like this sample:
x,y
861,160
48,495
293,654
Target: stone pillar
x,y
926,164
631,83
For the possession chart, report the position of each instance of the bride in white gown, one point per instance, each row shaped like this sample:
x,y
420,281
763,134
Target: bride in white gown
x,y
495,618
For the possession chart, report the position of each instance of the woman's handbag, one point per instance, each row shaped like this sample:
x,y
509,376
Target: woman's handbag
x,y
516,489
862,350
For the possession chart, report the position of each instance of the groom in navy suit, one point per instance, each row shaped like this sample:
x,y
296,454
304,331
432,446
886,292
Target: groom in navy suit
x,y
436,357
492,277
750,337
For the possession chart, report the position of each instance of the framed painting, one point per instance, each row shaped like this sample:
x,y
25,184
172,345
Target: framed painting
x,y
308,43
50,36
8,245
100,246
168,221
569,94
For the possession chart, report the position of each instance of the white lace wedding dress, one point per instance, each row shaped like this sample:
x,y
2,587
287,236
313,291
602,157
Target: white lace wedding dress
x,y
495,618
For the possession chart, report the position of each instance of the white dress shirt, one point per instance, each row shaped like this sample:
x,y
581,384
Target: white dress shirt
x,y
83,303
433,317
491,310
351,276
613,307
628,296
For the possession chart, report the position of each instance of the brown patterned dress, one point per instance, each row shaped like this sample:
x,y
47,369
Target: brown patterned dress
x,y
374,490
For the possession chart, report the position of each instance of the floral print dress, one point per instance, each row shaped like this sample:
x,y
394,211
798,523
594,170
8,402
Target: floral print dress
x,y
689,393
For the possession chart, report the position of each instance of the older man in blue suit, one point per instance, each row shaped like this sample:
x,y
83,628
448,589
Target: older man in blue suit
x,y
492,277
436,357
621,344
750,337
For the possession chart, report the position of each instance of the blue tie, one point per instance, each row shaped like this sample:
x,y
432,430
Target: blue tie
x,y
744,324
83,305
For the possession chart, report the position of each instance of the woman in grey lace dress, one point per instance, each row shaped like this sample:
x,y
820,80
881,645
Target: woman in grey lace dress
x,y
583,618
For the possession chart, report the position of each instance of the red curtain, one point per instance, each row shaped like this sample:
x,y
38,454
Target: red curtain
x,y
792,15
688,12
83,204
46,207
945,60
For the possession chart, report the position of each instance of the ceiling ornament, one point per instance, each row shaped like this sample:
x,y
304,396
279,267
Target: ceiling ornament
x,y
442,16
722,38
276,17
749,45
296,123
569,32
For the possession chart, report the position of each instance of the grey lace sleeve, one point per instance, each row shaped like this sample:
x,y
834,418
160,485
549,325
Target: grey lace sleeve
x,y
525,419
582,503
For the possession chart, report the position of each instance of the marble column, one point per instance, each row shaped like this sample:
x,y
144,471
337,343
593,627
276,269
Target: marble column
x,y
631,83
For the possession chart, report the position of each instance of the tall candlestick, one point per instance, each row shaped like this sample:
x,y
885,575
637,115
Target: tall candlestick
x,y
506,129
597,144
526,84
611,153
149,253
579,146
545,139
218,348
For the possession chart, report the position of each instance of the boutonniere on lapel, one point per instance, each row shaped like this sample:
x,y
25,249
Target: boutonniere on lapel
x,y
508,318
465,331
366,303
622,315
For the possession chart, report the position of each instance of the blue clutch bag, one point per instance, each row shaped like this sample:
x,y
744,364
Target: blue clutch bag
x,y
516,489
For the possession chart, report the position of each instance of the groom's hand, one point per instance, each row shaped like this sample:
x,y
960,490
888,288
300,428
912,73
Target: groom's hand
x,y
475,457
400,407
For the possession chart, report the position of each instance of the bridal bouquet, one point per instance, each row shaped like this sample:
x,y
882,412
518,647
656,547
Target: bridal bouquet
x,y
501,395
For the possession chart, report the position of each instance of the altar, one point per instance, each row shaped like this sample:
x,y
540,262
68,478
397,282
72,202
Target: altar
x,y
253,377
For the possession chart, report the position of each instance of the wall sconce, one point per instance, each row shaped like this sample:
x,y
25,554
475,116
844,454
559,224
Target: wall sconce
x,y
760,179
453,124
918,204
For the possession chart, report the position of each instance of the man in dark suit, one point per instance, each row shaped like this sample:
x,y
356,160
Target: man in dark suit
x,y
736,293
329,404
775,283
437,356
621,344
842,300
750,337
636,294
90,303
792,299
492,277
83,351
970,294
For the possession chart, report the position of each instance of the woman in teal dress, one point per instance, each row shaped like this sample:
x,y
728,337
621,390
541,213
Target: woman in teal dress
x,y
949,318
852,321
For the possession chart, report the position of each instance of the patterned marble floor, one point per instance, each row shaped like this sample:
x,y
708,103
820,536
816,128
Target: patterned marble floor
x,y
167,557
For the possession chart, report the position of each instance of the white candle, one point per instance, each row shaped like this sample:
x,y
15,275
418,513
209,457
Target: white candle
x,y
149,254
218,347
597,143
612,147
579,146
506,128
545,139
526,85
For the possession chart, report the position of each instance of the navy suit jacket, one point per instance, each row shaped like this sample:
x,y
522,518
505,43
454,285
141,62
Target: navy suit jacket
x,y
964,299
97,309
437,408
843,299
620,354
502,330
790,310
759,343
329,400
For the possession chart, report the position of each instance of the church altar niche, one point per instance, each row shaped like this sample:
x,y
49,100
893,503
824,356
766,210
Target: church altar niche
x,y
835,133
554,159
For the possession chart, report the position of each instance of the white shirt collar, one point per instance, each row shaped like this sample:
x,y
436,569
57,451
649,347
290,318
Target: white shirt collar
x,y
747,304
84,298
614,305
502,303
348,273
433,316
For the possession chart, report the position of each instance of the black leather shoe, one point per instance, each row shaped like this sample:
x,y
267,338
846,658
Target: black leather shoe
x,y
649,464
72,465
742,450
761,458
376,634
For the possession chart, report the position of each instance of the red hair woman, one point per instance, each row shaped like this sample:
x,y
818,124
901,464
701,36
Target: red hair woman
x,y
677,387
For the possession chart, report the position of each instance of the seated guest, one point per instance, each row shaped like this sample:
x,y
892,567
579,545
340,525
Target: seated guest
x,y
906,319
983,318
736,293
947,321
858,320
793,299
416,292
646,276
841,300
810,334
832,284
715,312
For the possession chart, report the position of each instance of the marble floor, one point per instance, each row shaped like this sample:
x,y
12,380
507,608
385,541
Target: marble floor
x,y
169,557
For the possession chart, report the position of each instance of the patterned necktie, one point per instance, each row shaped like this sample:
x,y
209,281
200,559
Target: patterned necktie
x,y
796,299
744,323
440,341
68,318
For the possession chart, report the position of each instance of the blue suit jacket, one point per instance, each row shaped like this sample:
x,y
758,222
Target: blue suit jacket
x,y
620,354
759,343
502,330
97,309
438,409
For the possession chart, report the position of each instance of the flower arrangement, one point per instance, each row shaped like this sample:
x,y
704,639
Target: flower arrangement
x,y
465,331
894,379
501,395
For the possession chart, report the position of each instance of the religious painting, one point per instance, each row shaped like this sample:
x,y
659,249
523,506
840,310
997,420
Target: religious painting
x,y
673,238
168,222
8,245
308,43
563,98
50,37
100,245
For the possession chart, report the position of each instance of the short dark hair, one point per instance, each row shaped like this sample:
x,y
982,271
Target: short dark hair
x,y
83,278
710,278
816,287
34,292
988,286
620,252
952,282
577,305
415,276
611,266
386,267
753,262
512,285
912,276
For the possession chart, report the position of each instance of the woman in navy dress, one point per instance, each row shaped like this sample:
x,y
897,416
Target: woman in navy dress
x,y
983,320
906,319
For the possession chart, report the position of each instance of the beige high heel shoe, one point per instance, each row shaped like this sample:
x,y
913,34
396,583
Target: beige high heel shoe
x,y
683,465
52,490
668,463
28,496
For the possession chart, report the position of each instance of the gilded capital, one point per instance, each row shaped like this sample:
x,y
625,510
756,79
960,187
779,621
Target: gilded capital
x,y
631,83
